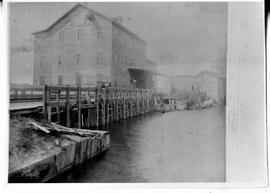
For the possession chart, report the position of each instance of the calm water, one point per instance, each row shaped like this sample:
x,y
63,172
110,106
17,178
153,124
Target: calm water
x,y
181,146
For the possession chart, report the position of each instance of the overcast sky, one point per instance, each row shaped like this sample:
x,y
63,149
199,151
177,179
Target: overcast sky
x,y
182,38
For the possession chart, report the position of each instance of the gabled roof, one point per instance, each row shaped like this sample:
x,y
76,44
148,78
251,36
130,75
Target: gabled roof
x,y
95,12
69,12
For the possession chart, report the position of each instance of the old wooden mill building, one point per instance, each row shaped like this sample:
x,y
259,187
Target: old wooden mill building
x,y
93,70
84,47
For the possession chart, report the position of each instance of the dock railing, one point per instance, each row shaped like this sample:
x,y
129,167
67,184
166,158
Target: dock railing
x,y
26,94
77,106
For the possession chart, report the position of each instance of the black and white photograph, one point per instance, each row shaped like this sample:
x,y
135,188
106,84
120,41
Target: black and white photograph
x,y
136,92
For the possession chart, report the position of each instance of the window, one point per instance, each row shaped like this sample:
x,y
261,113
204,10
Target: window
x,y
120,59
99,58
71,35
79,34
61,36
78,59
99,77
41,80
88,18
78,79
42,61
60,80
59,60
115,59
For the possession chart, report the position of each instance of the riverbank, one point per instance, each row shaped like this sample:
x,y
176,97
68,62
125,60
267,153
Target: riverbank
x,y
39,151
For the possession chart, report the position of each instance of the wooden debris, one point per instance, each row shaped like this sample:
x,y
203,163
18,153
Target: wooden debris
x,y
59,129
91,131
82,132
56,128
39,127
62,127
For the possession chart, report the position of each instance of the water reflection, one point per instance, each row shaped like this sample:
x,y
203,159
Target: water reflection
x,y
182,146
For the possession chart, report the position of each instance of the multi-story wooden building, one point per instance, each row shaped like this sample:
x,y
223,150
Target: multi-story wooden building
x,y
212,85
87,48
181,86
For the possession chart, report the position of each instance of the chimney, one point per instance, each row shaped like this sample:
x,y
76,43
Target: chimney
x,y
118,20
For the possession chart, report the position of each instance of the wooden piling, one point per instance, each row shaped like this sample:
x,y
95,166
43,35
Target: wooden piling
x,y
110,104
58,106
67,107
79,106
45,110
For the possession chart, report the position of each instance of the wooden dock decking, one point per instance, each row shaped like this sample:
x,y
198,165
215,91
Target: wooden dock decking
x,y
77,106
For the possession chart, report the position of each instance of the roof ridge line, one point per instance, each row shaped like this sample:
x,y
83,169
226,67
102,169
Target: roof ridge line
x,y
96,12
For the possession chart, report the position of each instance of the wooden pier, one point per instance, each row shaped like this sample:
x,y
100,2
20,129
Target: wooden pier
x,y
84,107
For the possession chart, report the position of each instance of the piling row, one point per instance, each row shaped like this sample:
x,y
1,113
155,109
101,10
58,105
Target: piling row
x,y
84,107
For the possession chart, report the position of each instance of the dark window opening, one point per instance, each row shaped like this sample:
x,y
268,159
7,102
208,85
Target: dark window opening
x,y
78,79
41,80
60,80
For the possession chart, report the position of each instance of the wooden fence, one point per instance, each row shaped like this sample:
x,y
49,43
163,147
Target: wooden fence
x,y
76,106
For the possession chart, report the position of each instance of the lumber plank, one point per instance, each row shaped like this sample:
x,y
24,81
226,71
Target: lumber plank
x,y
39,127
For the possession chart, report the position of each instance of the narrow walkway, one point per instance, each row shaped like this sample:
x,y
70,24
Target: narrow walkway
x,y
181,146
24,105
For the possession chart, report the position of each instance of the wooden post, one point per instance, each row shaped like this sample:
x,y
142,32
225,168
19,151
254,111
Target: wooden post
x,y
107,111
137,102
124,105
49,109
103,107
58,105
97,107
79,106
89,111
45,110
16,94
117,101
67,106
108,99
31,94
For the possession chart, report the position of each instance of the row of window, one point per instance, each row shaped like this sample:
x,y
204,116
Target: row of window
x,y
99,60
78,79
120,59
122,37
70,35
